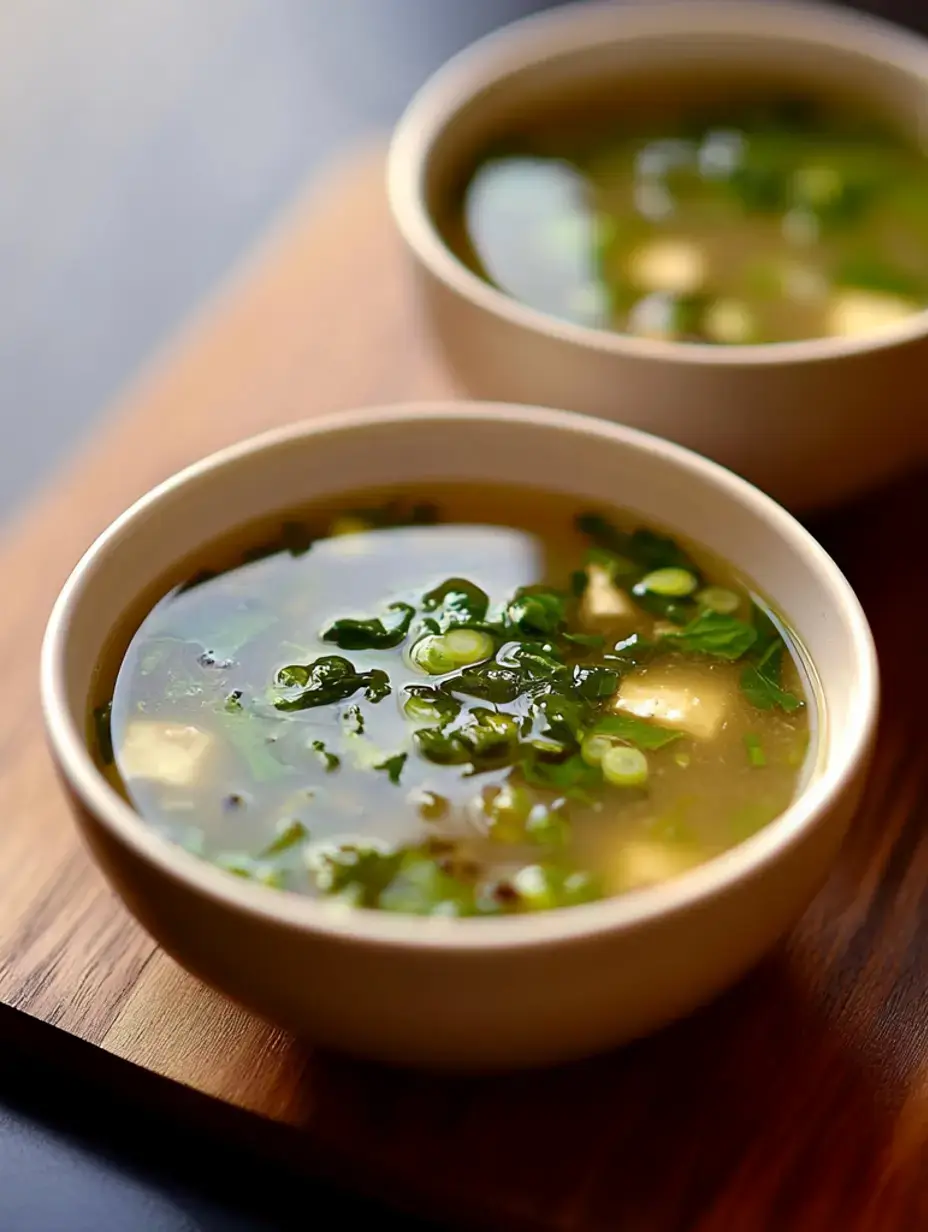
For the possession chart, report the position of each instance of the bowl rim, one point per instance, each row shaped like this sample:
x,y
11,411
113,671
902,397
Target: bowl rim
x,y
380,929
584,25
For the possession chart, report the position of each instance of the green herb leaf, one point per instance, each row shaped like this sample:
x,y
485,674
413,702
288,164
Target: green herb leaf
x,y
760,681
488,734
537,611
430,705
641,734
438,746
488,682
455,604
326,680
645,549
393,766
365,871
631,652
331,760
481,737
603,533
652,551
711,633
535,661
376,633
519,667
680,611
594,683
560,717
407,880
377,686
572,777
767,632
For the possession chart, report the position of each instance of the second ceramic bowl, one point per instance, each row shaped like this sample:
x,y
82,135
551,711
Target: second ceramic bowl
x,y
811,422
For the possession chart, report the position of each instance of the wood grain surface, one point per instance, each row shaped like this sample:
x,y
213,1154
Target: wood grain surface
x,y
796,1103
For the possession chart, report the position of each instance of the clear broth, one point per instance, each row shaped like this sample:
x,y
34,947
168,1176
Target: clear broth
x,y
272,794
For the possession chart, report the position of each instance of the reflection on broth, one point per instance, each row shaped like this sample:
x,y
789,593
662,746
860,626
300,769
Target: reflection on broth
x,y
751,223
477,702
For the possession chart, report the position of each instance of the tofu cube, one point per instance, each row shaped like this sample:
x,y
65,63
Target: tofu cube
x,y
643,862
603,602
673,266
853,313
169,753
691,702
728,321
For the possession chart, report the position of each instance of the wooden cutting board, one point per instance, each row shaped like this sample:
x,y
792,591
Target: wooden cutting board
x,y
797,1103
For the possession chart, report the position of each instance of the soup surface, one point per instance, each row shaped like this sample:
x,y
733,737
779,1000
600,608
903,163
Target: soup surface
x,y
752,223
480,705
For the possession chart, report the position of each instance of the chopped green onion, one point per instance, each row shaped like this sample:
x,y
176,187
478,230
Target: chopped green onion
x,y
624,766
540,886
446,652
756,755
508,812
595,746
671,582
468,646
421,710
718,599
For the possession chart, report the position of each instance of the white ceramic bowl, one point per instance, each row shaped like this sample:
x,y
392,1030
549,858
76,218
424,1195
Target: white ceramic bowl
x,y
473,993
811,422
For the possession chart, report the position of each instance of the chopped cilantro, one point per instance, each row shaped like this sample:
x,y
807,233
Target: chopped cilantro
x,y
393,766
375,633
641,734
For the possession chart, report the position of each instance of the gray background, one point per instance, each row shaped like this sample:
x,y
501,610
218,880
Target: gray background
x,y
143,145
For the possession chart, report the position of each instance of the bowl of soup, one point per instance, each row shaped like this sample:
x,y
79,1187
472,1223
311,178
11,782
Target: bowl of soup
x,y
707,220
462,736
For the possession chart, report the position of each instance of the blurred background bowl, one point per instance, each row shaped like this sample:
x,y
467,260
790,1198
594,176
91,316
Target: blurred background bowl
x,y
811,422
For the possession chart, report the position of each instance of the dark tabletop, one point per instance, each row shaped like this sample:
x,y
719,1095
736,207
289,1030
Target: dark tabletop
x,y
143,146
